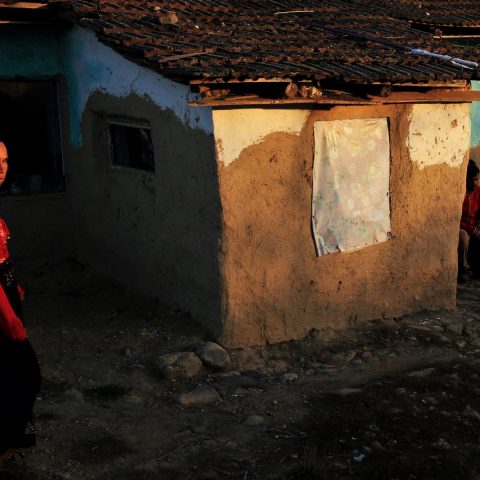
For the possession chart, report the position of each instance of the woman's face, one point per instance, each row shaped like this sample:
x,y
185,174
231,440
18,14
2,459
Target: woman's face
x,y
3,162
472,182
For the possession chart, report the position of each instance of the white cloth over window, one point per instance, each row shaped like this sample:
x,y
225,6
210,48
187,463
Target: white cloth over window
x,y
351,175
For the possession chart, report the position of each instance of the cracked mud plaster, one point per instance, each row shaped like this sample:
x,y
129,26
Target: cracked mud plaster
x,y
439,134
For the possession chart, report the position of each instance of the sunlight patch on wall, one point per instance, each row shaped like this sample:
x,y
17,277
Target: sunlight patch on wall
x,y
236,130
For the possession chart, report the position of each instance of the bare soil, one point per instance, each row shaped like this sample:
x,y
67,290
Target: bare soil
x,y
393,399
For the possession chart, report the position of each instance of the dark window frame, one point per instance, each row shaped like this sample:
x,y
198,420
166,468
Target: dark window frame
x,y
49,176
133,125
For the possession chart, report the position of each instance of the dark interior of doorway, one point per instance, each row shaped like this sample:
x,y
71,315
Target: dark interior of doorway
x,y
30,127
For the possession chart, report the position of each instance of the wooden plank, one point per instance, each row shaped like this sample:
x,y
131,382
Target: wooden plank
x,y
23,5
457,36
434,84
435,96
266,101
208,81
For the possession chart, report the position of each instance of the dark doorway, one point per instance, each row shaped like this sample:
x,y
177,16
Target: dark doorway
x,y
30,127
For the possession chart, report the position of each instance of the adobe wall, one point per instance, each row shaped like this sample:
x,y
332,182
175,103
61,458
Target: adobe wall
x,y
41,228
275,287
156,232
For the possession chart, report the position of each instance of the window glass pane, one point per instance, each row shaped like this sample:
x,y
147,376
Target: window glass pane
x,y
351,175
30,127
132,147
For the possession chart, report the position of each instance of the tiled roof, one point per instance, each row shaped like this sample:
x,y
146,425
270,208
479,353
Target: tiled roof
x,y
330,40
437,13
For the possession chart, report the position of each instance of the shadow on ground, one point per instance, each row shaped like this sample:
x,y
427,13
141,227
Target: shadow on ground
x,y
394,399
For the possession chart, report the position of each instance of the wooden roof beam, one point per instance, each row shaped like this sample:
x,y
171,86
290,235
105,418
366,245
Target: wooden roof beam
x,y
433,96
23,5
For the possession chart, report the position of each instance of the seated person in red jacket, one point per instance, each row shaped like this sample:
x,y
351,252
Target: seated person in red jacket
x,y
469,241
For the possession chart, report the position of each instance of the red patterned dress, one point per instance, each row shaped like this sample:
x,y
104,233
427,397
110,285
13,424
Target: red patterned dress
x,y
19,370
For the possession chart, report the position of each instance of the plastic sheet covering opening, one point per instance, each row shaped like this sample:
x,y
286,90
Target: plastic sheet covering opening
x,y
351,174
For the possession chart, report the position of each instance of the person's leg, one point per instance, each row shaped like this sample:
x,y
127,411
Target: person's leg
x,y
463,244
19,385
473,256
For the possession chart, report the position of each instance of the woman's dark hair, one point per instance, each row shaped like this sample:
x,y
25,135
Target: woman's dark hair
x,y
472,169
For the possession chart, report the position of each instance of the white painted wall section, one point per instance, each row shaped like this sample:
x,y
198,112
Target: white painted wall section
x,y
235,130
439,133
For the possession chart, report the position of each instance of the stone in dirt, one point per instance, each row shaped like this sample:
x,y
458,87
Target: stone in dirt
x,y
440,337
387,323
240,392
226,385
348,391
443,444
289,377
72,395
278,366
201,395
470,412
422,373
254,420
456,328
179,365
214,356
344,357
209,476
231,373
210,443
421,328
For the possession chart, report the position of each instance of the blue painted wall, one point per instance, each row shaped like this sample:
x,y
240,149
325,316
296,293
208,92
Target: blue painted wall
x,y
29,52
475,139
88,66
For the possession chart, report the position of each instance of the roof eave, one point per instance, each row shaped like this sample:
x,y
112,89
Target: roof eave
x,y
438,95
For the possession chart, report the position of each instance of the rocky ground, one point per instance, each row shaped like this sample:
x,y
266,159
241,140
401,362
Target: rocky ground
x,y
394,399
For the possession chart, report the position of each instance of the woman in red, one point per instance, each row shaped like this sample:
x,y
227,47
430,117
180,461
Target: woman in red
x,y
469,244
19,370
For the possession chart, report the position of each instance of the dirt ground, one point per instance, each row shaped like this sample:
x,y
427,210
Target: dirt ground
x,y
394,399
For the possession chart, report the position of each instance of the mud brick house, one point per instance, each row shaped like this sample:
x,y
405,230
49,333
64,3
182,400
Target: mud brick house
x,y
272,167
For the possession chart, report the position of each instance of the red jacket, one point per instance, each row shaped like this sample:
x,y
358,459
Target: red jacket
x,y
470,207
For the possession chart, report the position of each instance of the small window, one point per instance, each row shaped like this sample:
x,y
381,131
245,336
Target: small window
x,y
30,128
351,176
131,146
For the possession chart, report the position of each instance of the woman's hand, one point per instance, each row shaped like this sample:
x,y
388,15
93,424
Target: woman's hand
x,y
16,330
10,325
21,293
